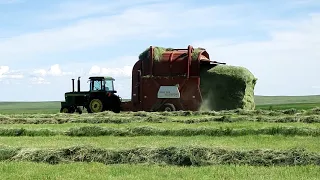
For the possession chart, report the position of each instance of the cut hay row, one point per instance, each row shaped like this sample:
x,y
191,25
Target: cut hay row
x,y
152,131
160,119
249,142
236,112
287,112
179,156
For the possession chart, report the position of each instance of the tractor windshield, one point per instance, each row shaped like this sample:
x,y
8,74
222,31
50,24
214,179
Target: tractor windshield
x,y
109,85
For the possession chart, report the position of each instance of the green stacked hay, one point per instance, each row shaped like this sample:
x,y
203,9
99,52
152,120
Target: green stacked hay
x,y
158,51
225,87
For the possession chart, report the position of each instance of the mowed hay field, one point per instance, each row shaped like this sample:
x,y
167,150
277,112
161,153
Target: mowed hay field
x,y
276,141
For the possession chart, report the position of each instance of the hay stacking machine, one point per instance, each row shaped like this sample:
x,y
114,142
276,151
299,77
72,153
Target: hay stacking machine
x,y
170,83
100,97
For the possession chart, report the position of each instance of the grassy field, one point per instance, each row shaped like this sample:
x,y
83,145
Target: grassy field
x,y
262,102
26,170
279,140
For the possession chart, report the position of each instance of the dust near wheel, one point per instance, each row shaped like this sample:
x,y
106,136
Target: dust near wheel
x,y
96,105
168,107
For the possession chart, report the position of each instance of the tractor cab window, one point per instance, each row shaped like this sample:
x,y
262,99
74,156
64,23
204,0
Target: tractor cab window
x,y
96,85
109,85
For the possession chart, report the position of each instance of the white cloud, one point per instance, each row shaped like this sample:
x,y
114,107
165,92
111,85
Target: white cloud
x,y
38,80
6,73
43,76
54,70
94,70
40,72
76,9
114,72
148,21
287,59
4,69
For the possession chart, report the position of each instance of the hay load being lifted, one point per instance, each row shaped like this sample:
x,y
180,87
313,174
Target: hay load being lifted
x,y
226,87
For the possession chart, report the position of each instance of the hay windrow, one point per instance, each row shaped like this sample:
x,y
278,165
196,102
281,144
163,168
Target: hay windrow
x,y
125,116
178,156
285,116
154,131
226,87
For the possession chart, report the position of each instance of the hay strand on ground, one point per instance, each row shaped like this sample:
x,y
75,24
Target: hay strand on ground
x,y
154,131
179,156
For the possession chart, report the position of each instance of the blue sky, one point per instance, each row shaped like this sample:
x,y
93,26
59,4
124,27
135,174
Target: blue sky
x,y
43,44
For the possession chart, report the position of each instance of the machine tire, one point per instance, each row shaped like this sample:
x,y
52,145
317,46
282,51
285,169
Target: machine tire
x,y
168,107
116,104
67,110
78,109
116,109
64,110
95,106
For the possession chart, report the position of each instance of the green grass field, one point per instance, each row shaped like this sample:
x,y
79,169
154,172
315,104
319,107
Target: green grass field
x,y
262,102
279,140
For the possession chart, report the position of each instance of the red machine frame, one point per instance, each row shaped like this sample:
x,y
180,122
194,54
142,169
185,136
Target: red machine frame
x,y
175,68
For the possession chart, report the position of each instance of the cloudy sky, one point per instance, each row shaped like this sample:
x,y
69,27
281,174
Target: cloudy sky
x,y
43,44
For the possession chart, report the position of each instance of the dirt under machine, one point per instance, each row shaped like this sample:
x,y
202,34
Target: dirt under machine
x,y
170,83
100,97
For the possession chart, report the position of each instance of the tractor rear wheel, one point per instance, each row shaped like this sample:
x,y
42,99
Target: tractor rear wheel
x,y
115,104
95,106
116,109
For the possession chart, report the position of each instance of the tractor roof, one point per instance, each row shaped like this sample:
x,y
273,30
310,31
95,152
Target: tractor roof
x,y
101,77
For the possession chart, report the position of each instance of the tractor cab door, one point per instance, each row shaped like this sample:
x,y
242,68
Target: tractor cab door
x,y
108,85
96,85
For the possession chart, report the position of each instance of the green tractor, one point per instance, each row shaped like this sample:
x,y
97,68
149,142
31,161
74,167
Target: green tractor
x,y
100,97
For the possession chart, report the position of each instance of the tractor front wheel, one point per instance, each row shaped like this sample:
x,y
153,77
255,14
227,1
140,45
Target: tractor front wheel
x,y
95,106
67,110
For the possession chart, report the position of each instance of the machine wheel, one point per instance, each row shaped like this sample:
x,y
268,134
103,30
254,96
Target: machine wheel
x,y
78,109
116,109
64,110
95,106
67,110
168,107
116,104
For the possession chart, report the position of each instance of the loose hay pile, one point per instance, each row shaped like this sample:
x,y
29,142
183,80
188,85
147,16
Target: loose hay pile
x,y
226,87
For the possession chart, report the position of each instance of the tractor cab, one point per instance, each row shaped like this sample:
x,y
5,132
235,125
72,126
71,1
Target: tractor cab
x,y
99,83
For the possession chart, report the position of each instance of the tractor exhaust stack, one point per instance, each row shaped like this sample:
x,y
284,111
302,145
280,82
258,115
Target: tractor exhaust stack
x,y
78,84
72,85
